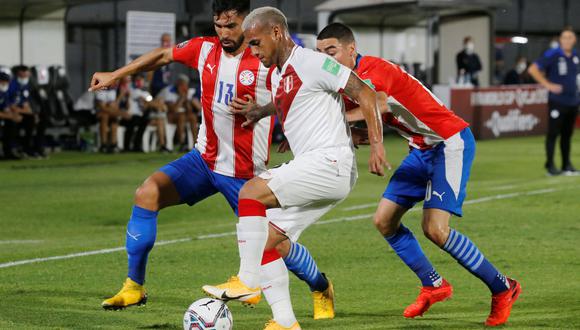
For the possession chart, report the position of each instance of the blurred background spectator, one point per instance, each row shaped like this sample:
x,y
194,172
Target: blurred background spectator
x,y
519,73
468,64
161,78
8,119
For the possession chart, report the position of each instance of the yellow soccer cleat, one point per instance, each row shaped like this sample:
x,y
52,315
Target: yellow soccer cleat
x,y
323,303
273,325
132,294
234,289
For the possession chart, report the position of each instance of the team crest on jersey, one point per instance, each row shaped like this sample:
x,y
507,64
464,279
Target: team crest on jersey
x,y
246,77
288,84
183,44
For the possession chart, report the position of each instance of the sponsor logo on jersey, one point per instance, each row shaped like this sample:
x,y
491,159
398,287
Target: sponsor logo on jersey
x,y
210,67
331,66
183,44
246,77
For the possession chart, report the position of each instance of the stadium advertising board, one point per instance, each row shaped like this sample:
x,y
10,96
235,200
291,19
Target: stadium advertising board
x,y
502,111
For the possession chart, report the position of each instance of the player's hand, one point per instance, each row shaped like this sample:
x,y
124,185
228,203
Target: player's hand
x,y
360,136
246,107
102,80
283,147
555,88
377,160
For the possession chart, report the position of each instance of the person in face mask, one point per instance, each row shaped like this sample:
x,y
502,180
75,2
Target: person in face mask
x,y
161,77
9,119
20,99
468,63
518,74
553,47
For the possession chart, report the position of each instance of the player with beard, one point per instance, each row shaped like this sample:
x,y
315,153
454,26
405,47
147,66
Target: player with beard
x,y
226,154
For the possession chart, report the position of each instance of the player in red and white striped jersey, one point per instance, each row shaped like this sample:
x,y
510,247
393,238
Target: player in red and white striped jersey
x,y
226,154
436,170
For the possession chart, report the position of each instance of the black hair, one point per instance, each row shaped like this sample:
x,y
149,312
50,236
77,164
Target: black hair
x,y
239,6
19,68
4,76
337,30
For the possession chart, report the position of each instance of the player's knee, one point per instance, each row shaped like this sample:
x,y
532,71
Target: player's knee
x,y
283,248
435,234
249,191
383,225
147,195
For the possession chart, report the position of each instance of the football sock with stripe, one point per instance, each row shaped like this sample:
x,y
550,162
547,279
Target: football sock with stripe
x,y
468,255
274,283
300,262
140,238
252,231
408,249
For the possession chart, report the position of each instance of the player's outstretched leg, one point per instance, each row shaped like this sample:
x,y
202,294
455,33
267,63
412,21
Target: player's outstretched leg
x,y
275,285
252,232
505,291
300,262
404,243
155,193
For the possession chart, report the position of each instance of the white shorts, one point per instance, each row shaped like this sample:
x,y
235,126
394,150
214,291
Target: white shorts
x,y
309,186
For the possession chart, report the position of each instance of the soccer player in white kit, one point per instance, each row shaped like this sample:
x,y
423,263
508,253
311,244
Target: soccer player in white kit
x,y
306,97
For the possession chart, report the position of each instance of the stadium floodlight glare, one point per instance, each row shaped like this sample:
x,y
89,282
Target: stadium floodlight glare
x,y
519,40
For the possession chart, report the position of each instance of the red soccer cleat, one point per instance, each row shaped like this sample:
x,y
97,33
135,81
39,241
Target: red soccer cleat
x,y
428,296
501,304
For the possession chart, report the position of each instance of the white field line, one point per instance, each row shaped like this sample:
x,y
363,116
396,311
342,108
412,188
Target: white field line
x,y
216,235
21,241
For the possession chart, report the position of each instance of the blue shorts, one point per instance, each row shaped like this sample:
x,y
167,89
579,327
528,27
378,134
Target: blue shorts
x,y
195,181
438,176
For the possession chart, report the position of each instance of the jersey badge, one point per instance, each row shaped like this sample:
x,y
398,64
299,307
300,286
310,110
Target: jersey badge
x,y
246,77
331,66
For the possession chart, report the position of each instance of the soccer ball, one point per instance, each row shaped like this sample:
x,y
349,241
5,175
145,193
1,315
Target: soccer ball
x,y
207,313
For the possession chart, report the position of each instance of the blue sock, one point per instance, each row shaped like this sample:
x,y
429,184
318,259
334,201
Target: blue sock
x,y
140,238
300,262
467,254
408,249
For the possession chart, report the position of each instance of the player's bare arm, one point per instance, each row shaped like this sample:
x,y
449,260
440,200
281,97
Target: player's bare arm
x,y
357,115
251,110
357,90
147,62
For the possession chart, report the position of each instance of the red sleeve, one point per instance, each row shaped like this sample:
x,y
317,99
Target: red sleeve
x,y
386,76
188,51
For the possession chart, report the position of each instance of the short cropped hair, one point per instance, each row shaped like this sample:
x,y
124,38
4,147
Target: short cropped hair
x,y
240,6
567,28
337,30
265,15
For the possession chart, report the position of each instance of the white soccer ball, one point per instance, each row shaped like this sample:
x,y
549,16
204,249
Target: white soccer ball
x,y
207,313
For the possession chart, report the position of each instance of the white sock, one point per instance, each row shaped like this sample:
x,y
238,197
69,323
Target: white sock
x,y
252,237
275,286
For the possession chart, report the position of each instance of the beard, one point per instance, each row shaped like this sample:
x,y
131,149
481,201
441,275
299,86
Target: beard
x,y
236,45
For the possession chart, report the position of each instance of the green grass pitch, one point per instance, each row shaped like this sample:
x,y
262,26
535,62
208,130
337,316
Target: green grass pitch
x,y
526,223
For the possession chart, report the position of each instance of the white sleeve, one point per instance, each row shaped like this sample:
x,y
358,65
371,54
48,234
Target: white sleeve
x,y
327,74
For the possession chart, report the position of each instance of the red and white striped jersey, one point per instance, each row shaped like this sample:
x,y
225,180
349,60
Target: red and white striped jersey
x,y
226,147
309,106
417,114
